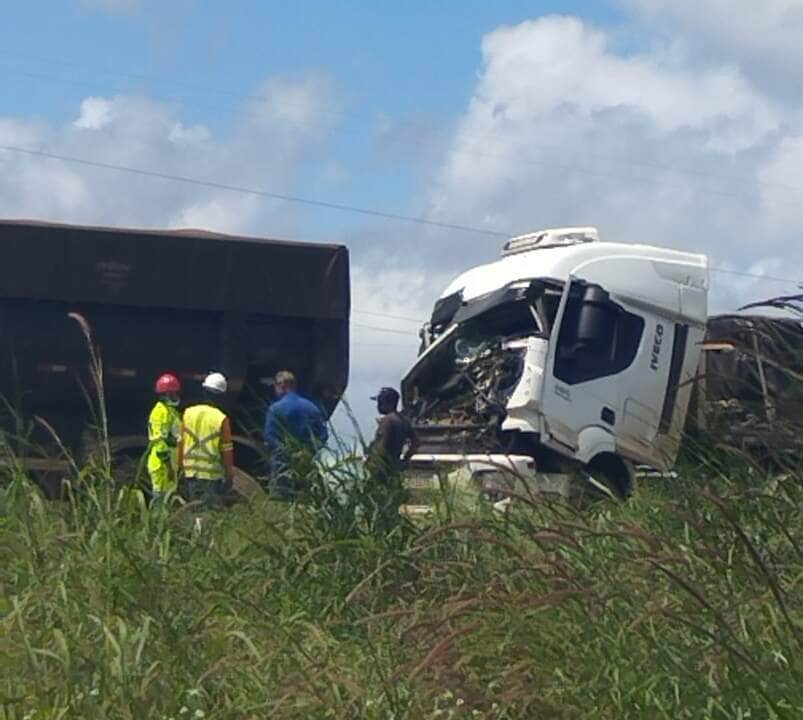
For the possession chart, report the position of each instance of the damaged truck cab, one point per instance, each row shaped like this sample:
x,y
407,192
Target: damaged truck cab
x,y
566,354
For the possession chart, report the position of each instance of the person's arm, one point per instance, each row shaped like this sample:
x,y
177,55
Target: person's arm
x,y
321,431
378,446
180,450
227,451
412,445
160,441
159,433
173,440
271,435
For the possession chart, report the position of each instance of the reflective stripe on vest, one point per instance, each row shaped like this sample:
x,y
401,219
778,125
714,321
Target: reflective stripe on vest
x,y
202,428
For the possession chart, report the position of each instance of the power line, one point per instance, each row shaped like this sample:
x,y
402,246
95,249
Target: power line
x,y
388,315
367,312
550,163
760,276
255,191
399,317
183,84
376,328
242,96
316,203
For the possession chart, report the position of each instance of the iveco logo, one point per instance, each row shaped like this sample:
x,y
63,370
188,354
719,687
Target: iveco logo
x,y
656,346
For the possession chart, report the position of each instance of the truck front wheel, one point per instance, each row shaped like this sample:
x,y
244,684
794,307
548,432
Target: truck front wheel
x,y
607,475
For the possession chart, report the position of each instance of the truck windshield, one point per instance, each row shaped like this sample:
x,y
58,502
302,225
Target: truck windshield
x,y
526,306
472,372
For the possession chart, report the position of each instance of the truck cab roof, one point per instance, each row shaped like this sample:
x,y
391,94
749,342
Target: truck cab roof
x,y
594,261
640,272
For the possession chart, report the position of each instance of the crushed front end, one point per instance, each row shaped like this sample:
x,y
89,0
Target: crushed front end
x,y
476,366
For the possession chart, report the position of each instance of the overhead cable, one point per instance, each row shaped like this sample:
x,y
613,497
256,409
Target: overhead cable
x,y
314,202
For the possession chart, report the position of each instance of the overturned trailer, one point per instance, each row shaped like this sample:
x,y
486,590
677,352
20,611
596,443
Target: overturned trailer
x,y
187,301
566,354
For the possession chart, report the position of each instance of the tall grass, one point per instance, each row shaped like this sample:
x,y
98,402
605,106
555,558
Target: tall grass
x,y
684,602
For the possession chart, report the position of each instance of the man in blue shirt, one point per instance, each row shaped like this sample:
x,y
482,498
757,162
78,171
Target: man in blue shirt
x,y
295,429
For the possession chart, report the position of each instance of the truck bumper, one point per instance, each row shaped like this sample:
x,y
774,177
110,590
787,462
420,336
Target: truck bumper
x,y
492,475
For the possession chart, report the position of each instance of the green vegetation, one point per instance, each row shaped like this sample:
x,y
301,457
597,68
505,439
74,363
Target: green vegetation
x,y
684,602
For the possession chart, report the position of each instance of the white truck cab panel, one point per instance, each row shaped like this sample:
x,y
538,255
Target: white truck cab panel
x,y
603,367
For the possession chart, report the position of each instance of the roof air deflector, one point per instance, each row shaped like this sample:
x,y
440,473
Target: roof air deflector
x,y
555,237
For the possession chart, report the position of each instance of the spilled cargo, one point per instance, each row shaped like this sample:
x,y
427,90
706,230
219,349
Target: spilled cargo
x,y
750,386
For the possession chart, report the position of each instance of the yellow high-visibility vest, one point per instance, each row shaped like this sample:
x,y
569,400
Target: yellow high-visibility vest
x,y
202,442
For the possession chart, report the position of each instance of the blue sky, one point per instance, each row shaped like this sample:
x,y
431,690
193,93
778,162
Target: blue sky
x,y
413,63
387,57
672,122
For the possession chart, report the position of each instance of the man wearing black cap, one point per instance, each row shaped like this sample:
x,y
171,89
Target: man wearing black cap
x,y
394,436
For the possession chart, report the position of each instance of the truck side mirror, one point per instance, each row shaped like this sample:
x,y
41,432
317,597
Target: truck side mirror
x,y
596,317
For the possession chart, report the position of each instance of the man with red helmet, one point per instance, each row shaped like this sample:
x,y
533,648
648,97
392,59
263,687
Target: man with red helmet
x,y
164,432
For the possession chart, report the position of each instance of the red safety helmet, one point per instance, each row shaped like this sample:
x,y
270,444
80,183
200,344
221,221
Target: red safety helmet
x,y
168,383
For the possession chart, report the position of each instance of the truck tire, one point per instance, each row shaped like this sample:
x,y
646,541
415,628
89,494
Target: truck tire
x,y
607,476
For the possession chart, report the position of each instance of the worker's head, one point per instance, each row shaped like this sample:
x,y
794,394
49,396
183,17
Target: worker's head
x,y
387,400
168,388
214,387
284,382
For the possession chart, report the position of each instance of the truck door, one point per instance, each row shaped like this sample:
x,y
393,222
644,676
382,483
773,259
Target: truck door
x,y
648,401
593,341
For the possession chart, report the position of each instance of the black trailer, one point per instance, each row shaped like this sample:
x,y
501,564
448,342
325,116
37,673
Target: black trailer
x,y
185,301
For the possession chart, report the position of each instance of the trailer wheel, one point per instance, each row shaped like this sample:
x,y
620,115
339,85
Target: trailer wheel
x,y
246,485
128,456
253,455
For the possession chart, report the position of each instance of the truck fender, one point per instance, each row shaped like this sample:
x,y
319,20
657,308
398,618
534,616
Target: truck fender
x,y
593,441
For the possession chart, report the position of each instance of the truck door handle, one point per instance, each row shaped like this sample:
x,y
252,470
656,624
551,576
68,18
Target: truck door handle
x,y
608,416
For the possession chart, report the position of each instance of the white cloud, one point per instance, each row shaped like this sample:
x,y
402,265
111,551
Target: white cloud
x,y
667,146
383,352
540,67
564,130
233,214
282,126
190,135
263,149
18,131
294,101
782,189
762,37
96,113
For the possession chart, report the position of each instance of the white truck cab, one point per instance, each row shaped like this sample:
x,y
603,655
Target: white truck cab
x,y
567,352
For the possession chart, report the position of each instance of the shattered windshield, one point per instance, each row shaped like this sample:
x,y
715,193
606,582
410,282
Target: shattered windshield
x,y
525,306
469,377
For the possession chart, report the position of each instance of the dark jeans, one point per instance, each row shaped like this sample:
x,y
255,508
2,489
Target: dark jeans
x,y
207,492
281,485
388,494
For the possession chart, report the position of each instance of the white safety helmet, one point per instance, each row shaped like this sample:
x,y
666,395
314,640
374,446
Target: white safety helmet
x,y
215,382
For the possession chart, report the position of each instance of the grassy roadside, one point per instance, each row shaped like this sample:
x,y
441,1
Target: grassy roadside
x,y
685,602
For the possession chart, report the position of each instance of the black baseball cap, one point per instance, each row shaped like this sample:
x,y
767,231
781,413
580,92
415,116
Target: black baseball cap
x,y
386,393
